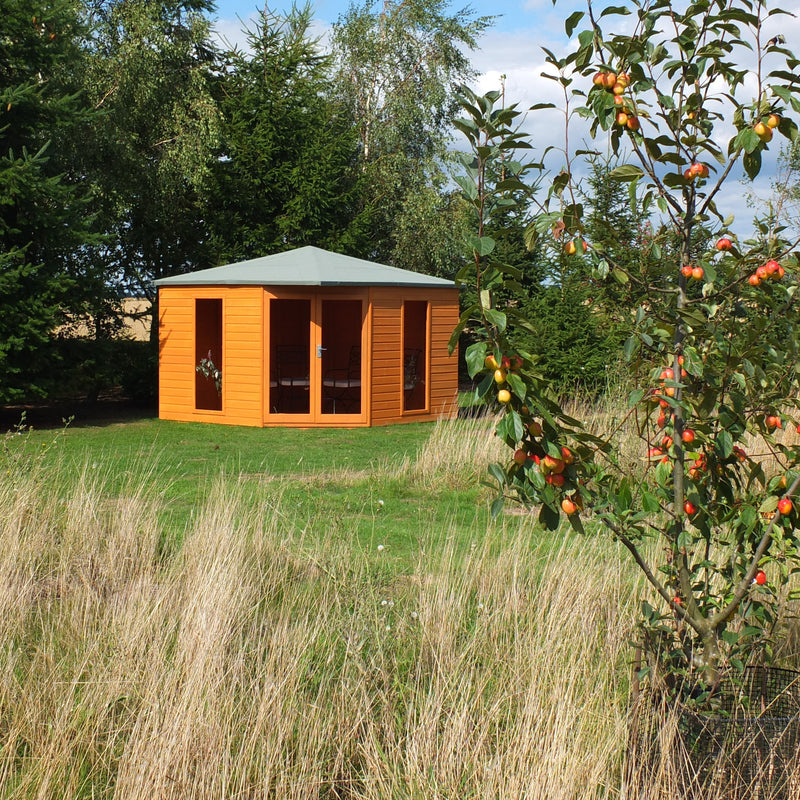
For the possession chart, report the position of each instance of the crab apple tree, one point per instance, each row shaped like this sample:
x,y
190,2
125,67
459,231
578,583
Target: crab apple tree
x,y
713,356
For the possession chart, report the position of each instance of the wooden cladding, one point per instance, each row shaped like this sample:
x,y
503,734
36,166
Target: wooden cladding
x,y
373,355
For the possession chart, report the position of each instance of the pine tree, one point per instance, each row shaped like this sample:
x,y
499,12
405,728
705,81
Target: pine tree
x,y
43,215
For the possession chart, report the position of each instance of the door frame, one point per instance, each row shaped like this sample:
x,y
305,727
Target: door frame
x,y
315,417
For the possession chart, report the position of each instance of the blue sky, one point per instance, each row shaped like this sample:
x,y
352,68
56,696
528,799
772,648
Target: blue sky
x,y
513,15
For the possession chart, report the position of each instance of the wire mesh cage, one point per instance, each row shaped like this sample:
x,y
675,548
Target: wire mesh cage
x,y
746,747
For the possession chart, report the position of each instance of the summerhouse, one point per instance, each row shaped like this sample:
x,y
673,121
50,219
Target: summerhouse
x,y
306,338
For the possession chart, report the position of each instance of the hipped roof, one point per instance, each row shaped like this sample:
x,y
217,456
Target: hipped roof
x,y
306,266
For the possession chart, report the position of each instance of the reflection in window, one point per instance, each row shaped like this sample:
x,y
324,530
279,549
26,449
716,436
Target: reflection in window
x,y
415,355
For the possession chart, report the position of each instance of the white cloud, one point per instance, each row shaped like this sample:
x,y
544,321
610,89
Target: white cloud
x,y
519,58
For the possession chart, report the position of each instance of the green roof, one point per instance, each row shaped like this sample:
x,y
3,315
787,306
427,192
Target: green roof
x,y
306,266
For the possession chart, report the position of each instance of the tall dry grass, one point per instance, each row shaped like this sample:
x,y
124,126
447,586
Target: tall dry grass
x,y
259,662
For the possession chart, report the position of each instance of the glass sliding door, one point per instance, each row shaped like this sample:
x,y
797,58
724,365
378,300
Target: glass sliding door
x,y
290,356
341,323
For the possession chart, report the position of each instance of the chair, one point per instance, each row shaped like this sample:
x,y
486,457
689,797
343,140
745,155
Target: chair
x,y
291,378
344,383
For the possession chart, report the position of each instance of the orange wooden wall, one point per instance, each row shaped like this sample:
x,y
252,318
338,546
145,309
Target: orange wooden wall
x,y
244,357
243,361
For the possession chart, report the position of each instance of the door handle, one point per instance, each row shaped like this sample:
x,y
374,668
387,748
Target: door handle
x,y
320,350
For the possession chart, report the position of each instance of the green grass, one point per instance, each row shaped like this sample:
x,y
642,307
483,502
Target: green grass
x,y
358,482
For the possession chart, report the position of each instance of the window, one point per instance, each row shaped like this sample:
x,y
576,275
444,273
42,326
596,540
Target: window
x,y
208,355
415,355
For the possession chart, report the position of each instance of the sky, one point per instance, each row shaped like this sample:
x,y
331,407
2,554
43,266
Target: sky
x,y
512,47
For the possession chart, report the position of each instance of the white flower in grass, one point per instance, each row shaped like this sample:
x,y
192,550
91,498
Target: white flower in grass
x,y
381,548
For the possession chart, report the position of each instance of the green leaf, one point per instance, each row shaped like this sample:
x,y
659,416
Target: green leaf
x,y
635,397
752,164
498,473
576,524
626,172
619,276
549,517
631,346
723,444
650,504
497,318
497,506
475,357
769,506
517,386
572,22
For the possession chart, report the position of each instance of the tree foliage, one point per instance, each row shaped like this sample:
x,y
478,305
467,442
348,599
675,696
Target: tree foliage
x,y
43,214
396,70
286,175
149,73
716,316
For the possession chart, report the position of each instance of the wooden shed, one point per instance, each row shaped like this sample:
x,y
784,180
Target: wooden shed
x,y
306,338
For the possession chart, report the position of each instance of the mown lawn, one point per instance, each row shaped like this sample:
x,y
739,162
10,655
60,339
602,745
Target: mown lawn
x,y
365,485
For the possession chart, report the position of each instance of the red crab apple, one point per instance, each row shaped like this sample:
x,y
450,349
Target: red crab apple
x,y
690,508
520,456
551,464
567,456
609,79
762,272
568,506
764,132
687,436
697,273
724,244
633,123
686,270
754,280
696,170
555,478
574,246
785,506
772,268
772,421
761,577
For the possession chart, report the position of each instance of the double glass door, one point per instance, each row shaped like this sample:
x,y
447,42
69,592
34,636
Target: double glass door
x,y
315,359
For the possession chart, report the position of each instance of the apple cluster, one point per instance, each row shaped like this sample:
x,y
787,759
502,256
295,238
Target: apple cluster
x,y
704,463
617,84
693,271
535,453
696,170
772,270
501,369
765,127
538,460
